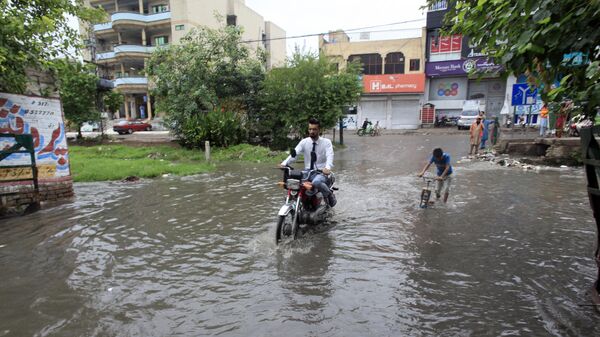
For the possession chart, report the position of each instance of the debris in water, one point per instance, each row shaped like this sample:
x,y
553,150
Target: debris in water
x,y
131,179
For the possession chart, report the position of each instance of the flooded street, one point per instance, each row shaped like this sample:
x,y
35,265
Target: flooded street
x,y
509,255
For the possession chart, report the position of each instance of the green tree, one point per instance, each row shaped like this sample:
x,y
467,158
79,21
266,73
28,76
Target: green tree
x,y
113,100
33,32
532,37
307,86
77,86
203,81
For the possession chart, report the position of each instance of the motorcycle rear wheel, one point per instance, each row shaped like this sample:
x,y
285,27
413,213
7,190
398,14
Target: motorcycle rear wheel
x,y
361,132
281,232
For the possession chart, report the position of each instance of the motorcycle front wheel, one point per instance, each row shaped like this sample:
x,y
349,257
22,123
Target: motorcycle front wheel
x,y
286,226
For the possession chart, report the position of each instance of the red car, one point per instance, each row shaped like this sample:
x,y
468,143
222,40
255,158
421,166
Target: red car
x,y
124,127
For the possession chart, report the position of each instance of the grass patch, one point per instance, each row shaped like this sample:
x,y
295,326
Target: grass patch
x,y
116,162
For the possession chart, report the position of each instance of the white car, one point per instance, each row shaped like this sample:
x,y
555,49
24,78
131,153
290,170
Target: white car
x,y
467,117
89,127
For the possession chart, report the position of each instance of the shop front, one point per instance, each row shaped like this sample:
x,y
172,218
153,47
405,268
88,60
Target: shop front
x,y
453,82
392,100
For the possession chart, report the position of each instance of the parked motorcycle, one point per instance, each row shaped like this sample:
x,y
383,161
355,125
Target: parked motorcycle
x,y
303,207
576,123
443,121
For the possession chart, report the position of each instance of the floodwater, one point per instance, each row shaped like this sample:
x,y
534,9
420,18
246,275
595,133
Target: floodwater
x,y
509,255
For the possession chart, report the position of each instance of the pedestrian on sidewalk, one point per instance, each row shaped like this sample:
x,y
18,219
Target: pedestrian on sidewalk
x,y
560,120
475,133
495,131
486,131
543,120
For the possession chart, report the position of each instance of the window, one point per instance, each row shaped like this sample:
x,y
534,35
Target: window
x,y
415,64
160,9
179,27
394,63
445,44
161,40
371,63
231,20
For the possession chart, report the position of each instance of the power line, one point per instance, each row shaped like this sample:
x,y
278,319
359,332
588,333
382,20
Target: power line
x,y
345,30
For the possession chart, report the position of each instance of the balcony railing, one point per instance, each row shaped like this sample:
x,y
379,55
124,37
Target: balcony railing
x,y
124,16
130,81
103,26
123,49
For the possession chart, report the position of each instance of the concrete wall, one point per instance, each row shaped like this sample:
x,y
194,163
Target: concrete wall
x,y
252,23
276,49
15,195
195,13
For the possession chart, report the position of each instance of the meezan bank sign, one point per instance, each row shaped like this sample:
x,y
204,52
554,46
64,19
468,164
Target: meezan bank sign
x,y
394,83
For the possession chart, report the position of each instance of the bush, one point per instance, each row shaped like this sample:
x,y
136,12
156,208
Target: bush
x,y
221,128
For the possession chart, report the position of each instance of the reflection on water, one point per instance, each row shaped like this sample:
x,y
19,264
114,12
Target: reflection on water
x,y
510,254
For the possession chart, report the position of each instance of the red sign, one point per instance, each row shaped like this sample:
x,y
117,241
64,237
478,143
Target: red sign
x,y
397,83
435,45
446,44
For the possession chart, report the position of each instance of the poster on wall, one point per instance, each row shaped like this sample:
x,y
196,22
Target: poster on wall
x,y
42,118
448,89
350,122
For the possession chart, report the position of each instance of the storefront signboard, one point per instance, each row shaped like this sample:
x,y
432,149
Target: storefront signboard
x,y
462,67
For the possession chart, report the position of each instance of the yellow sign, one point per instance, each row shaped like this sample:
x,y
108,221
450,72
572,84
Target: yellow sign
x,y
14,173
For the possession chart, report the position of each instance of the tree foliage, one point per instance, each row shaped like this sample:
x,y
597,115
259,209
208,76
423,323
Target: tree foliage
x,y
201,81
33,32
113,100
77,86
307,86
532,37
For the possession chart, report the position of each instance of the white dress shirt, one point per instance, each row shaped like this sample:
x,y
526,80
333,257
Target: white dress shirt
x,y
324,150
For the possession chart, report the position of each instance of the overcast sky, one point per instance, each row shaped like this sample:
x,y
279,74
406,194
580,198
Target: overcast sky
x,y
300,17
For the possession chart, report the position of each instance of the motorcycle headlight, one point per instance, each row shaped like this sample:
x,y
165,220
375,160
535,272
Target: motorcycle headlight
x,y
293,184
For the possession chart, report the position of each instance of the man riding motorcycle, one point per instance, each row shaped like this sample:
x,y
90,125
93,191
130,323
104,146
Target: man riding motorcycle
x,y
324,162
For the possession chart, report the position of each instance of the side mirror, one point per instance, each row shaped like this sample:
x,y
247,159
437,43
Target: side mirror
x,y
293,153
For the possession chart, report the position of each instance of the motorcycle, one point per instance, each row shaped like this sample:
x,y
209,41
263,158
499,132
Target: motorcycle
x,y
443,120
303,206
370,130
577,122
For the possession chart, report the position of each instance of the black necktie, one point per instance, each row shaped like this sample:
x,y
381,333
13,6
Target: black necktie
x,y
312,162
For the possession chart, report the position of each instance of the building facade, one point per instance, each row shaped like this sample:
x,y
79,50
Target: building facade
x,y
392,74
457,71
121,46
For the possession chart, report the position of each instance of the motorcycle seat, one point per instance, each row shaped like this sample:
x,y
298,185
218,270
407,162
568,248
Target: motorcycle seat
x,y
295,174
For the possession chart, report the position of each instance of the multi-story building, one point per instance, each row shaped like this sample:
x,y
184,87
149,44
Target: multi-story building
x,y
392,76
454,70
121,46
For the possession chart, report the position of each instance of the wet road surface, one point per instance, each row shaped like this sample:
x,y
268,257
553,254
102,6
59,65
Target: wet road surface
x,y
510,254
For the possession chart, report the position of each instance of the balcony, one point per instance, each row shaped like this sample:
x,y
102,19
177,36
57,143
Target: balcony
x,y
129,51
131,84
132,19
